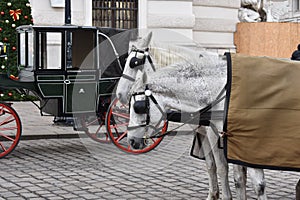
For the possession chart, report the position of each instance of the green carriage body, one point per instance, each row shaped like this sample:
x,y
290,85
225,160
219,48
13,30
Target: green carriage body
x,y
70,68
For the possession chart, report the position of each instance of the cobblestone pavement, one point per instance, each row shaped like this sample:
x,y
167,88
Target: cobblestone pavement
x,y
79,168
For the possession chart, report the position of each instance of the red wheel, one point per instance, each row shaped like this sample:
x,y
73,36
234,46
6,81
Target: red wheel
x,y
117,119
93,127
10,129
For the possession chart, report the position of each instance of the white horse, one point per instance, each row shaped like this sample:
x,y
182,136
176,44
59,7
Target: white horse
x,y
176,81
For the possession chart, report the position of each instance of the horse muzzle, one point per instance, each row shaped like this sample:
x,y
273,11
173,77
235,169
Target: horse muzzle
x,y
136,143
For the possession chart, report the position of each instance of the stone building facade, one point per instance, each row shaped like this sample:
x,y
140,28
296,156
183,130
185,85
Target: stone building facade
x,y
210,23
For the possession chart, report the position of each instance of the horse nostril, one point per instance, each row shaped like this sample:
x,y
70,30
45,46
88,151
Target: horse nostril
x,y
131,142
119,95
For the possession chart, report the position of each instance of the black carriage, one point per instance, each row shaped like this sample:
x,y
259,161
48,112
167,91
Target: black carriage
x,y
72,70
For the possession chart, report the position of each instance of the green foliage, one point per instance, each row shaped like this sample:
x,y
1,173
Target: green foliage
x,y
13,13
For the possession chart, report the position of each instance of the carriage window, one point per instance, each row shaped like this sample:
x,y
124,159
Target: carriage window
x,y
50,55
25,57
30,49
22,48
82,50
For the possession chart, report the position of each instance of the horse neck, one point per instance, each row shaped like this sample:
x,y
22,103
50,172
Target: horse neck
x,y
183,89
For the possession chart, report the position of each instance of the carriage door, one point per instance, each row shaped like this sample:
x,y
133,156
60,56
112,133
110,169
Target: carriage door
x,y
81,73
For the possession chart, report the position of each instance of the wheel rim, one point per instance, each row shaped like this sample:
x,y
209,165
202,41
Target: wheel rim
x,y
117,119
10,129
93,127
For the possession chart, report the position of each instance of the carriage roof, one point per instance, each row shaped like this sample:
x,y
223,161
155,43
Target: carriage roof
x,y
106,30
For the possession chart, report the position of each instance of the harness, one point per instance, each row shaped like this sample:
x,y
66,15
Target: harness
x,y
143,107
136,62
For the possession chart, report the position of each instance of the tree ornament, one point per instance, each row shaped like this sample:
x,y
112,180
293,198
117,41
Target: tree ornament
x,y
25,17
9,4
10,94
1,29
13,25
3,67
28,4
14,48
15,14
2,95
7,21
2,13
5,39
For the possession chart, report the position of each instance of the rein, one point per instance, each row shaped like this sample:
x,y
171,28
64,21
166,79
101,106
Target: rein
x,y
148,96
219,98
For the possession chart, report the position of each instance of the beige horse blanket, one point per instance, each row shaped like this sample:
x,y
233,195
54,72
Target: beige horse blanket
x,y
263,114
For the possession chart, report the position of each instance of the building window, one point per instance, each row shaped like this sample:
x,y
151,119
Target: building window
x,y
115,13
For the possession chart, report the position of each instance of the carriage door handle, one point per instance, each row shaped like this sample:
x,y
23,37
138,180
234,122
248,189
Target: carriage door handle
x,y
67,82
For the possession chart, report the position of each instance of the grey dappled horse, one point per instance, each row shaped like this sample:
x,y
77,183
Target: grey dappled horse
x,y
187,86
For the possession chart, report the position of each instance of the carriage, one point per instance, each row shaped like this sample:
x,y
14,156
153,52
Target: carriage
x,y
72,70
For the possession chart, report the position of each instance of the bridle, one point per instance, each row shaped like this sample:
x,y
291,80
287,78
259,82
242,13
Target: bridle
x,y
142,107
139,61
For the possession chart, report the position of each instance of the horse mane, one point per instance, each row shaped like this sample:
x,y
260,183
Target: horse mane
x,y
192,75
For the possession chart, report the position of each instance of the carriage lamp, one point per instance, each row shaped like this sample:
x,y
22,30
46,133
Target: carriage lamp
x,y
2,50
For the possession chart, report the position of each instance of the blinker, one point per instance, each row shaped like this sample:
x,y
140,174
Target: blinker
x,y
140,107
135,62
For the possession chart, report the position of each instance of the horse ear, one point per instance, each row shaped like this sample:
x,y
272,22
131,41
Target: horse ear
x,y
145,42
145,77
148,39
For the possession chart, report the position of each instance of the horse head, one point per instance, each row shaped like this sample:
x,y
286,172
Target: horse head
x,y
138,60
147,114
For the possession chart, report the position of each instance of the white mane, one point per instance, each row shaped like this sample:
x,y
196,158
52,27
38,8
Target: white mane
x,y
198,81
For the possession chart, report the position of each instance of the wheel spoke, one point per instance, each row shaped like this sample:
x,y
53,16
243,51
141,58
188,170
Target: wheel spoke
x,y
121,137
125,116
3,147
7,137
119,125
7,120
8,128
92,122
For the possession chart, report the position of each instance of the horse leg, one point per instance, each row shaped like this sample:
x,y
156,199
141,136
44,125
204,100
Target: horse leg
x,y
240,179
221,163
210,165
298,190
258,181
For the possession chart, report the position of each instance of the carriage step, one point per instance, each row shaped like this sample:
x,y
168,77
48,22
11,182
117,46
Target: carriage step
x,y
84,129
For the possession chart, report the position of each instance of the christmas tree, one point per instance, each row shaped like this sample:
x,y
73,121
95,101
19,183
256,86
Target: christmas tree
x,y
13,13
